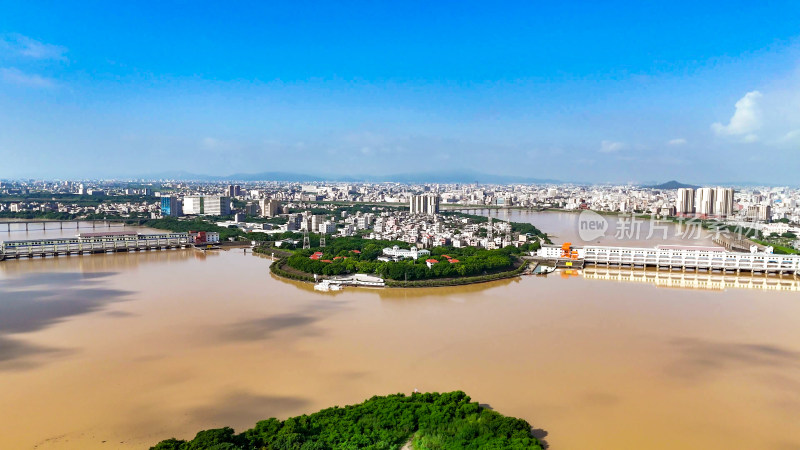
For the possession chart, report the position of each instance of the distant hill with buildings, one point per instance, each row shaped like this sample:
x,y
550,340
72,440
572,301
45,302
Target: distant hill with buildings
x,y
263,176
672,185
460,177
420,177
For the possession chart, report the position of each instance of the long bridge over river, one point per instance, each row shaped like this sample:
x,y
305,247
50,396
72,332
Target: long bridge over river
x,y
31,225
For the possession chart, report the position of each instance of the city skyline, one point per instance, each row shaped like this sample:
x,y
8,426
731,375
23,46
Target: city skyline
x,y
431,178
405,225
705,94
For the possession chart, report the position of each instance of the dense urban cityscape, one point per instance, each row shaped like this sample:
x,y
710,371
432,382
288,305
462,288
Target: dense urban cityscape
x,y
771,210
400,225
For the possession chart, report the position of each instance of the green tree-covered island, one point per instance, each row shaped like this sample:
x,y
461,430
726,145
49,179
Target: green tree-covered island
x,y
420,421
443,266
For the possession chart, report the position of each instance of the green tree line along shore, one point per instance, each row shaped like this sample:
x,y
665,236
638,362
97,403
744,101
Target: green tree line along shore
x,y
279,268
354,254
346,255
427,421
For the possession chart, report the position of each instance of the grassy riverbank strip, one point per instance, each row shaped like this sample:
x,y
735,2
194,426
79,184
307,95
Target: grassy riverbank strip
x,y
428,421
281,269
777,248
270,251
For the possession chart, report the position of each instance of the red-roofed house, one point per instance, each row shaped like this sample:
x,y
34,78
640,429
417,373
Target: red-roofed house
x,y
430,262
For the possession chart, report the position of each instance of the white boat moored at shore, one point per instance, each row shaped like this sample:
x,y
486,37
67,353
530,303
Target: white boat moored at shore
x,y
543,270
327,285
358,279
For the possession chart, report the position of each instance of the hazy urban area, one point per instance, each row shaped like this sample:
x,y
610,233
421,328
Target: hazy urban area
x,y
399,226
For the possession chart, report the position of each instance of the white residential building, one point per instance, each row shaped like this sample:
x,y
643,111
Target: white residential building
x,y
269,207
208,206
327,228
723,202
427,204
685,201
704,201
413,252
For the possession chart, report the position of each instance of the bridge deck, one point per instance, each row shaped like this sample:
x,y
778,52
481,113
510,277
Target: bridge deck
x,y
91,243
6,225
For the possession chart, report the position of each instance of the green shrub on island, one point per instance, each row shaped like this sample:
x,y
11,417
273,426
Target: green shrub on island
x,y
777,248
430,421
356,255
438,282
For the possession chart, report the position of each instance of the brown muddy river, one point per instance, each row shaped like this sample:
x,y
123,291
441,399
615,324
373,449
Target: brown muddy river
x,y
121,351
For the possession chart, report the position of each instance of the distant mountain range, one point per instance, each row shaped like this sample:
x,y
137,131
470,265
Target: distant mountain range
x,y
672,185
429,177
444,177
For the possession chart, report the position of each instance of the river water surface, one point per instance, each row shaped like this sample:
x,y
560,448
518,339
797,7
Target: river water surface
x,y
123,350
622,230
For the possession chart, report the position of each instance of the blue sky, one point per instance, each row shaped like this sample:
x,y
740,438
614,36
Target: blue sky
x,y
702,92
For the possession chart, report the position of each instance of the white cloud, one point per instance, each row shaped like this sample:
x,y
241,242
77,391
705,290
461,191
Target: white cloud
x,y
791,137
15,76
18,44
365,138
611,146
218,146
677,141
210,142
745,121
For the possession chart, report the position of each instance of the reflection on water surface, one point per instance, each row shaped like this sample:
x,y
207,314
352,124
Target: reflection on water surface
x,y
123,350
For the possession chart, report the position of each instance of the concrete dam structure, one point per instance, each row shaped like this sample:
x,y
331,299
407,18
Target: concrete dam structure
x,y
679,257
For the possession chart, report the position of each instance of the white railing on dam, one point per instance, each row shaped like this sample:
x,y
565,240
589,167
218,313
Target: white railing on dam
x,y
681,257
91,243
